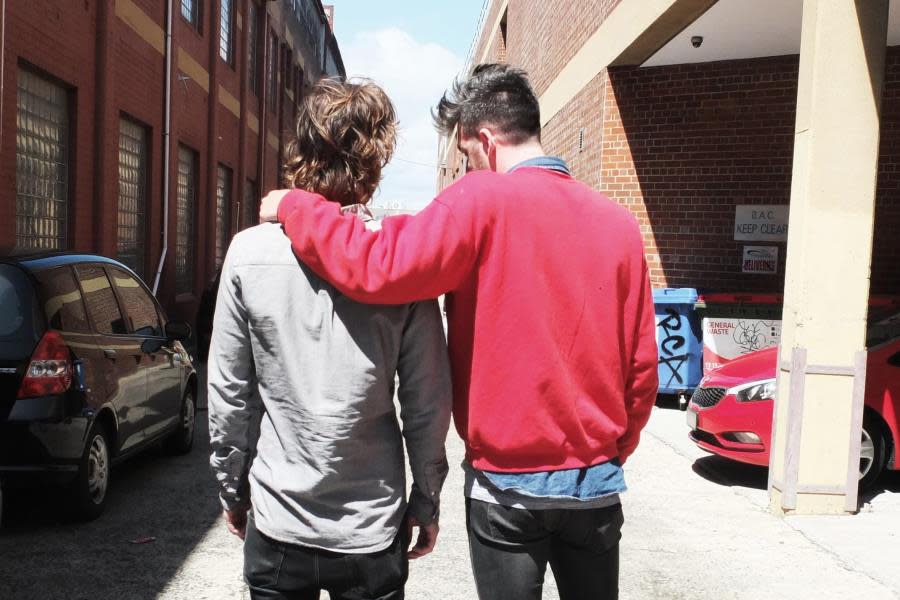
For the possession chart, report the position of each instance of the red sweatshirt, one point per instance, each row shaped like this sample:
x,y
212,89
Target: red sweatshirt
x,y
551,322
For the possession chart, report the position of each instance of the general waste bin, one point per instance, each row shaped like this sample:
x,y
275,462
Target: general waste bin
x,y
737,324
677,340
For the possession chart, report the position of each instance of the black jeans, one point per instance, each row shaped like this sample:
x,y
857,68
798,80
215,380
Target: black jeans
x,y
511,547
275,570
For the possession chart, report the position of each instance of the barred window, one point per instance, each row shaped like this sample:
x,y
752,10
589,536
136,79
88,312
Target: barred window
x,y
249,215
190,10
133,153
42,162
184,238
226,33
253,49
272,73
223,204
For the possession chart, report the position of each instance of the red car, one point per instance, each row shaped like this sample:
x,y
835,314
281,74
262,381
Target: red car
x,y
730,414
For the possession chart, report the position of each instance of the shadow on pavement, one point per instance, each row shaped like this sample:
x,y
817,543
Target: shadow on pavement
x,y
734,474
731,473
159,508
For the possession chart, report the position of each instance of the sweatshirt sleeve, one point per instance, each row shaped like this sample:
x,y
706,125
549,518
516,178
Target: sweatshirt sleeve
x,y
411,258
425,397
642,380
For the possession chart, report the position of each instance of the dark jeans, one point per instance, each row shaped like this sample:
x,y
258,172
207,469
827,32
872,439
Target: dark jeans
x,y
285,571
511,547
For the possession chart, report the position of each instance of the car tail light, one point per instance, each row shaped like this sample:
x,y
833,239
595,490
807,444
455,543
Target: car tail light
x,y
50,369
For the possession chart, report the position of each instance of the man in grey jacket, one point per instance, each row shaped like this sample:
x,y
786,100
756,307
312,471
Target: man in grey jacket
x,y
302,419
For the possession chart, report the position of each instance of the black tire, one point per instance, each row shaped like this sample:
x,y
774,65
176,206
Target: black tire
x,y
873,454
89,490
182,439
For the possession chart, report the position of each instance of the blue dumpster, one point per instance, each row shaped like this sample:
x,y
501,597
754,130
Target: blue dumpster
x,y
678,339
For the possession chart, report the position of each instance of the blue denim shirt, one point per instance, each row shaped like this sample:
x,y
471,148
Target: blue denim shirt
x,y
587,483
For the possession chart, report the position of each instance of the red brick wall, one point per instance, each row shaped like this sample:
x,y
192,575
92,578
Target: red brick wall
x,y
543,36
683,145
134,84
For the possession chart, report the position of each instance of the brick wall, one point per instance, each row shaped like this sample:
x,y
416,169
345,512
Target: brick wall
x,y
683,145
134,84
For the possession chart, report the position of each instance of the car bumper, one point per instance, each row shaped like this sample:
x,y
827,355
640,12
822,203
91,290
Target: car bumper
x,y
40,435
717,426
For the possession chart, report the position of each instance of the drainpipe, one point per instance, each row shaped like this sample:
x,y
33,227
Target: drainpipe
x,y
166,148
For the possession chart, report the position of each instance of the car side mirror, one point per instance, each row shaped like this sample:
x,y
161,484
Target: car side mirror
x,y
177,331
894,361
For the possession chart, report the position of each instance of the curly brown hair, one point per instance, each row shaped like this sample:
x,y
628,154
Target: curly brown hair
x,y
345,135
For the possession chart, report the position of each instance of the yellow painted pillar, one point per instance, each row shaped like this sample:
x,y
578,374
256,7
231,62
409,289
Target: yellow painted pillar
x,y
821,376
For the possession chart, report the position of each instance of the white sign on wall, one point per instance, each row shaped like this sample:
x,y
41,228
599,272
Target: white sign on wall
x,y
767,223
760,259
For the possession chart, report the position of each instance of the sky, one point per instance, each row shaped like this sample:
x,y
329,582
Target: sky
x,y
413,49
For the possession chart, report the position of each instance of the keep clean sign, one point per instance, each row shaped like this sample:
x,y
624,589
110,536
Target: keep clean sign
x,y
763,223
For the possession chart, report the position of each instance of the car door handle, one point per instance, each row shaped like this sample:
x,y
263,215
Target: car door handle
x,y
109,353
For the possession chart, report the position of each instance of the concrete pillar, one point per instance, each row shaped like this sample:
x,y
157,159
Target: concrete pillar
x,y
821,375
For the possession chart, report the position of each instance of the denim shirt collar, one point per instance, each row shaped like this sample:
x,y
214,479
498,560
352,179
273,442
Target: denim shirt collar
x,y
553,163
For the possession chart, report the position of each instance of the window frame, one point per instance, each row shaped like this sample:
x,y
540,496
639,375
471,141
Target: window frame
x,y
195,20
70,132
253,79
190,244
146,183
225,220
228,57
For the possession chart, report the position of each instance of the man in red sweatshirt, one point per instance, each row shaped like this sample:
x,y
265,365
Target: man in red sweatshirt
x,y
550,327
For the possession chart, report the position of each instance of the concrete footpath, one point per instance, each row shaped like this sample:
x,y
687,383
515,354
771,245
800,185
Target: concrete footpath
x,y
696,528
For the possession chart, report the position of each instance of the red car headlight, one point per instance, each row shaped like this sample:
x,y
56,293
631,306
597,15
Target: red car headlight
x,y
754,391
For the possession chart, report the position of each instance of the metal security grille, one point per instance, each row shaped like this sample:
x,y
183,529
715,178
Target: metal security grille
x,y
42,162
184,238
707,397
190,10
225,33
132,193
223,203
248,208
253,60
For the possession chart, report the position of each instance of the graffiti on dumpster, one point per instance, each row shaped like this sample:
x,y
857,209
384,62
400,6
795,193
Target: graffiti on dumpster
x,y
753,335
671,342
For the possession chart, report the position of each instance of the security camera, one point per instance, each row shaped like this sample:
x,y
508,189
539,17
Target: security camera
x,y
697,41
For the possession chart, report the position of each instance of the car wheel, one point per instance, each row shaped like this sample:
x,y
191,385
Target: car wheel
x,y
90,485
873,453
182,439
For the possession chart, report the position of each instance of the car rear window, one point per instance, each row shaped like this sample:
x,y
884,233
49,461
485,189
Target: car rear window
x,y
20,324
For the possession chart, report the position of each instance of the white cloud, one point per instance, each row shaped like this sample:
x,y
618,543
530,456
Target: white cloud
x,y
414,74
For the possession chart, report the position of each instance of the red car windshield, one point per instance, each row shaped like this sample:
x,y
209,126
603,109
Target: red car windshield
x,y
883,328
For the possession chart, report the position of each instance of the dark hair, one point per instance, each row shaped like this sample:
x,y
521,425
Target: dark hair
x,y
345,135
495,95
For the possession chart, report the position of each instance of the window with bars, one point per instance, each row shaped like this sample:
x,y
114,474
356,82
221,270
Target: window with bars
x,y
288,69
42,162
223,204
272,73
253,49
249,214
226,30
184,235
133,156
190,10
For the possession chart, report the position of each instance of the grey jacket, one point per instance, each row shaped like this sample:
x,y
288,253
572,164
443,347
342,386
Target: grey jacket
x,y
301,402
